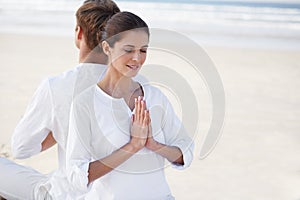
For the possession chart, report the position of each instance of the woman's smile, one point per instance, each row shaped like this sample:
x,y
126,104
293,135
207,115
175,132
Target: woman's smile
x,y
133,67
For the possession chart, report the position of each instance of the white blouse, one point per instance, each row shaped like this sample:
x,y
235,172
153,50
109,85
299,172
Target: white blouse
x,y
100,124
49,110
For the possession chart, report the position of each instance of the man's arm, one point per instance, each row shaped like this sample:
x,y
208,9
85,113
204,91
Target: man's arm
x,y
31,134
48,142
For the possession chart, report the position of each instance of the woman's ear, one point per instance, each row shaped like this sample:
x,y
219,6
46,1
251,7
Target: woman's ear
x,y
105,48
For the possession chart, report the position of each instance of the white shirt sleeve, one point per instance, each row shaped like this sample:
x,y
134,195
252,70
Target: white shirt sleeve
x,y
35,124
176,135
77,156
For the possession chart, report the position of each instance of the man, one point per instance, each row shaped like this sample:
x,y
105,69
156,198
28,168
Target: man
x,y
46,120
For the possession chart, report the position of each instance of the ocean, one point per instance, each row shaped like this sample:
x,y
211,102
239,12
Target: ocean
x,y
249,23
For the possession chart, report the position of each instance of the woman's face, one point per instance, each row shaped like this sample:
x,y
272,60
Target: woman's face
x,y
129,53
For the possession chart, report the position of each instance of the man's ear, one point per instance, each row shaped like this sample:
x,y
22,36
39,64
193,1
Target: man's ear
x,y
78,33
105,48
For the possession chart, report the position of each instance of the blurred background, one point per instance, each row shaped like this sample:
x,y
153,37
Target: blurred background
x,y
269,23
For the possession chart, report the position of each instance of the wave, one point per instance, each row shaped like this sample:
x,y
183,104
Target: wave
x,y
213,18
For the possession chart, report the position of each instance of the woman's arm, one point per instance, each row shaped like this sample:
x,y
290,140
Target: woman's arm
x,y
103,166
139,131
178,146
172,153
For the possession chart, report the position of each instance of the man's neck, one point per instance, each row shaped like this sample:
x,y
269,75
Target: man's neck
x,y
88,56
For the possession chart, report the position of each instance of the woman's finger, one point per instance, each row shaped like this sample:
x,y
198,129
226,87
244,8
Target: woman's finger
x,y
142,111
136,111
145,119
132,119
145,104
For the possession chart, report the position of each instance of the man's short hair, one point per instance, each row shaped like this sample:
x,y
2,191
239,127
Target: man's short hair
x,y
92,17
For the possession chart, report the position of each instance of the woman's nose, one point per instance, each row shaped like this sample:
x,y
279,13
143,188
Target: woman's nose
x,y
136,56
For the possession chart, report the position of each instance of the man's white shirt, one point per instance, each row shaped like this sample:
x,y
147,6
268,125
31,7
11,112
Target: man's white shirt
x,y
49,110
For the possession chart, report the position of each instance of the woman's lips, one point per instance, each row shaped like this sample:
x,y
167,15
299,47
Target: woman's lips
x,y
134,67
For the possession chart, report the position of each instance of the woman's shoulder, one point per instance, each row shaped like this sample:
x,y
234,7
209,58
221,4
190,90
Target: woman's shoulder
x,y
154,92
151,89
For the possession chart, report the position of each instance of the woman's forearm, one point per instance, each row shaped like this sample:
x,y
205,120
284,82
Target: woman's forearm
x,y
171,153
105,165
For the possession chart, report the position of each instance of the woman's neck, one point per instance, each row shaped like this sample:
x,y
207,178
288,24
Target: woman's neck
x,y
117,85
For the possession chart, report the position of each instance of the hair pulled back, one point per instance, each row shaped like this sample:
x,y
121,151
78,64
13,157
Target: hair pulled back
x,y
120,23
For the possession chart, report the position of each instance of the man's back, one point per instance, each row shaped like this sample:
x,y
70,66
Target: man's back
x,y
54,96
50,107
48,113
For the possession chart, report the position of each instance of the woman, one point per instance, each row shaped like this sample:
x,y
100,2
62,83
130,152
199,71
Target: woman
x,y
117,143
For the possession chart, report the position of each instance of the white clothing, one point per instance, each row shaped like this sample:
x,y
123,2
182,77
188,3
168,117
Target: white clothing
x,y
49,110
100,124
12,174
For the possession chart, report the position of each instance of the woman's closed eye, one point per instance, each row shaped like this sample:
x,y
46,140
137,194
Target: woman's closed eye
x,y
143,50
132,50
129,50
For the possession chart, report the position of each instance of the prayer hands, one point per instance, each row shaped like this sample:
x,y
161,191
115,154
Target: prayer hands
x,y
141,130
140,121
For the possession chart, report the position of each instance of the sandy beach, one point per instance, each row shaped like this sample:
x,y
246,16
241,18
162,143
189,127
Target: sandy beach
x,y
258,155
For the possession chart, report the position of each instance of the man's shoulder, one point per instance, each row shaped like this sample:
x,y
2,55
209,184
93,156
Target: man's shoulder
x,y
79,75
64,80
60,87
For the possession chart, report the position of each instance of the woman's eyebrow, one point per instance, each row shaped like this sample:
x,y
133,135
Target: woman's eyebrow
x,y
129,45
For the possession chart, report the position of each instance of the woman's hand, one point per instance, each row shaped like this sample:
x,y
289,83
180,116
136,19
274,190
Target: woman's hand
x,y
151,144
139,125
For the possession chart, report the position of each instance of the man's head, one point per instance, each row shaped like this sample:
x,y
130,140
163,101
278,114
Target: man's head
x,y
91,19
